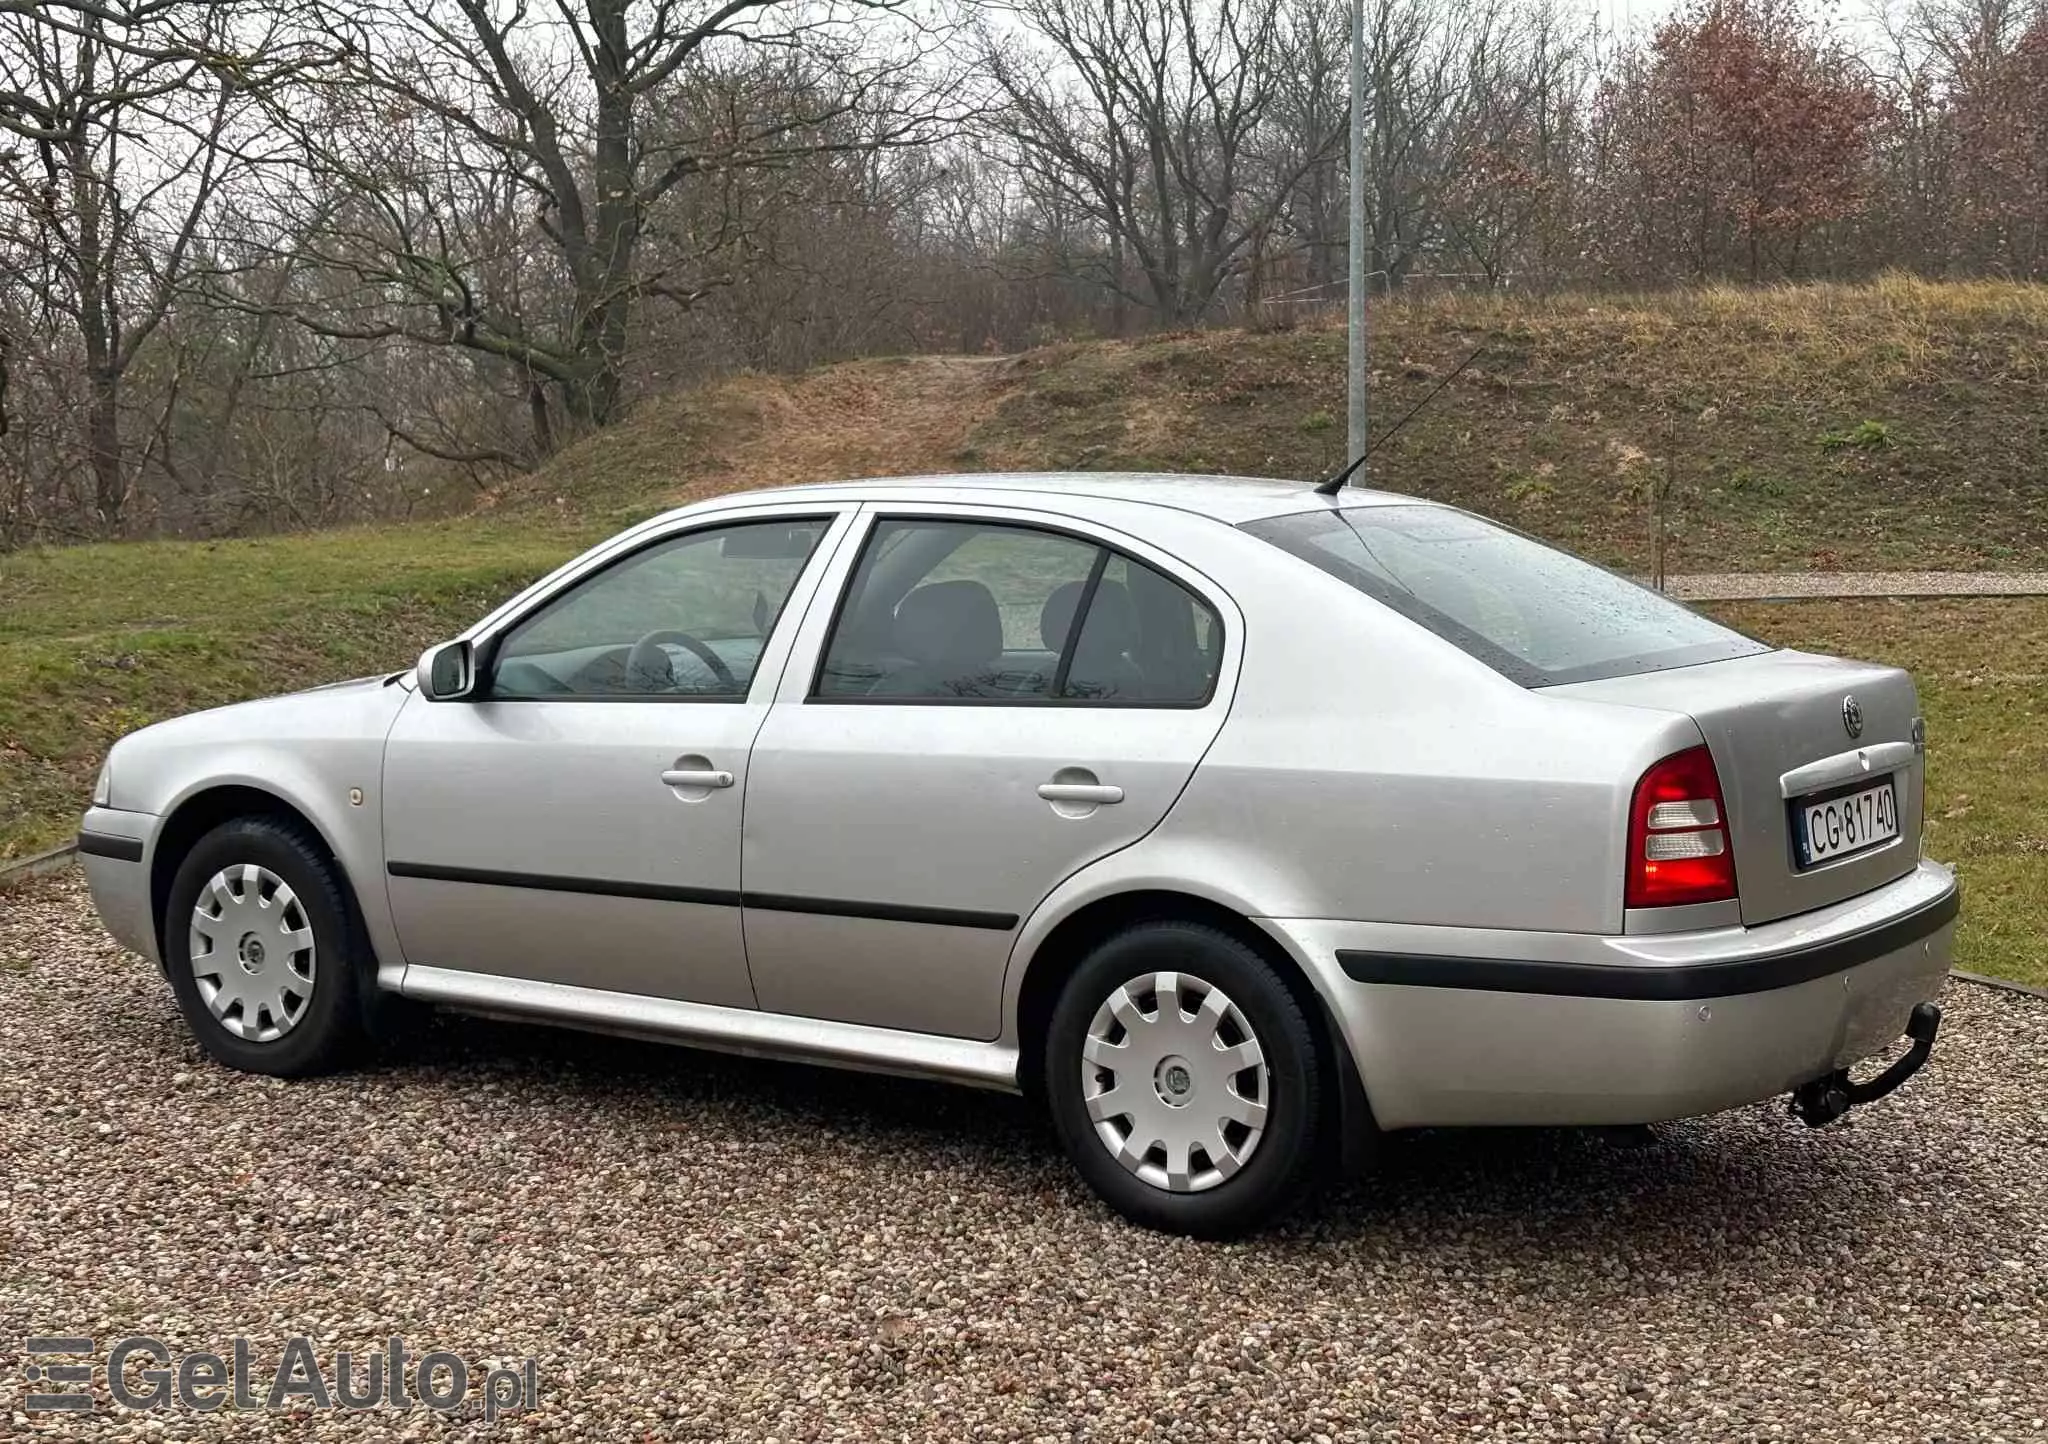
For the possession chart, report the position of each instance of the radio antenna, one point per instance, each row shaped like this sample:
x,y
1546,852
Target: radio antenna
x,y
1331,485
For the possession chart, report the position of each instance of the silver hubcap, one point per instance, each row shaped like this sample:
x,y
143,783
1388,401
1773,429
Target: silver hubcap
x,y
1175,1081
252,953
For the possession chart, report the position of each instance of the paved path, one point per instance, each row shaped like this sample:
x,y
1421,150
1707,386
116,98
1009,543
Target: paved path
x,y
1781,586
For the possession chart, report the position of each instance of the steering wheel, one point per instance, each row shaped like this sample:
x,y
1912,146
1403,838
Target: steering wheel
x,y
648,668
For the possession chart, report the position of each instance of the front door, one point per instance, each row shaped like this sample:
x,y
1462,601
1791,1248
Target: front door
x,y
998,704
580,822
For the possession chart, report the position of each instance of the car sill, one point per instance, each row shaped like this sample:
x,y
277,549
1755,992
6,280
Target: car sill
x,y
729,1030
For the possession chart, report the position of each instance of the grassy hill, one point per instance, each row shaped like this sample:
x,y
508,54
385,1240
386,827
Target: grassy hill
x,y
1899,424
1902,424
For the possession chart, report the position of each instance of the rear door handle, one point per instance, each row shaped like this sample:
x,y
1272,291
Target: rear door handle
x,y
696,777
1091,792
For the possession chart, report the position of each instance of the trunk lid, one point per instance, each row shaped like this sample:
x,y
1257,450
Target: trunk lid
x,y
1777,724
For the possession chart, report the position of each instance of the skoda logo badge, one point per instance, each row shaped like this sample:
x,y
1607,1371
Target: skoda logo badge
x,y
1852,717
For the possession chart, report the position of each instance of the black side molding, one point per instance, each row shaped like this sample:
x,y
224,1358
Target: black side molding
x,y
881,912
709,897
102,844
1647,983
545,882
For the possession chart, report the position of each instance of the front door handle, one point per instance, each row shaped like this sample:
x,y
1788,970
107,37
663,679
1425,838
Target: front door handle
x,y
1093,793
697,777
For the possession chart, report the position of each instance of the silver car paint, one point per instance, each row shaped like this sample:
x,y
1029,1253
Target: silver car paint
x,y
1779,714
729,1030
574,789
1443,1057
937,805
310,749
120,890
1365,771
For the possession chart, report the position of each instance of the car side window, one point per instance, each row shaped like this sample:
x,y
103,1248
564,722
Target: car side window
x,y
994,612
1147,639
684,618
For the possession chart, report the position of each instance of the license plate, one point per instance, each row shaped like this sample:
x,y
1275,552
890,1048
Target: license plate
x,y
1833,826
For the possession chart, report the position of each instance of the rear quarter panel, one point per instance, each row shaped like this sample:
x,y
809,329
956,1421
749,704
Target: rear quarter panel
x,y
1370,771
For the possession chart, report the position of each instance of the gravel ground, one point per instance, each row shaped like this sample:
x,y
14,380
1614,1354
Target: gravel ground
x,y
1785,586
694,1247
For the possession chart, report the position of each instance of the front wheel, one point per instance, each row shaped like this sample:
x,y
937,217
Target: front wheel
x,y
263,950
1184,1081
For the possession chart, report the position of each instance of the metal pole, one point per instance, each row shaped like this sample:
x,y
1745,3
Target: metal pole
x,y
1356,399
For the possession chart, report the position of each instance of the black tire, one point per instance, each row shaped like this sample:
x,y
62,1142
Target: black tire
x,y
328,1031
1282,1167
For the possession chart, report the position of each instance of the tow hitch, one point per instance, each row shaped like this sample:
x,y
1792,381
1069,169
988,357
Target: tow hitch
x,y
1822,1101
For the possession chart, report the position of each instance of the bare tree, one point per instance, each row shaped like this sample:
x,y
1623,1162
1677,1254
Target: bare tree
x,y
1507,198
1312,105
493,172
270,263
123,142
1152,119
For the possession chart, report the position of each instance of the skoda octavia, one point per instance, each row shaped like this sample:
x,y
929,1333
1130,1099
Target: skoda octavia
x,y
1238,822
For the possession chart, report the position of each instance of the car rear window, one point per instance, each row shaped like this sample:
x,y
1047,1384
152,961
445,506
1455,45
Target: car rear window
x,y
1531,612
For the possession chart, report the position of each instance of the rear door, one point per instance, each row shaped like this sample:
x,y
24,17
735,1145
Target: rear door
x,y
997,699
1819,759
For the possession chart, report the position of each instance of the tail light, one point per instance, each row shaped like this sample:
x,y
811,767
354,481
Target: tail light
x,y
1678,846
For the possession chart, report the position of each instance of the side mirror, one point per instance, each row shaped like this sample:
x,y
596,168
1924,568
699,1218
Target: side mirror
x,y
447,673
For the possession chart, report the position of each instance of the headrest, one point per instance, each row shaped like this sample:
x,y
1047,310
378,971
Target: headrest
x,y
1112,624
951,623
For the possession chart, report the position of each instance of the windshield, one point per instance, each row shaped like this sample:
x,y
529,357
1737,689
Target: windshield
x,y
1530,612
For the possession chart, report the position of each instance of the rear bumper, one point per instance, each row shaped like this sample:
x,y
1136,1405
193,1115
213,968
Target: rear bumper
x,y
1471,1027
113,848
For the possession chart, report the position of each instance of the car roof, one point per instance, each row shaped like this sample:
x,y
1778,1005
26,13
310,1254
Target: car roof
x,y
1228,499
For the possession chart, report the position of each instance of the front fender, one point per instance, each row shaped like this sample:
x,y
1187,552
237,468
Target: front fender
x,y
351,831
323,759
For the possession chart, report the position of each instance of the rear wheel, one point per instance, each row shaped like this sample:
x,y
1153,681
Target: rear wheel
x,y
263,950
1184,1081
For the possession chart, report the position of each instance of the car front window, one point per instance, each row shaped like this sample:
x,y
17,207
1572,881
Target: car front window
x,y
687,617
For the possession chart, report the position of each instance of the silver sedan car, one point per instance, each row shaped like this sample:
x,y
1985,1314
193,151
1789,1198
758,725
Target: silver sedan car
x,y
1237,822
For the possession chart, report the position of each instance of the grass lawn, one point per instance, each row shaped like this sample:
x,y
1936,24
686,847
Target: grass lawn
x,y
97,641
1898,424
